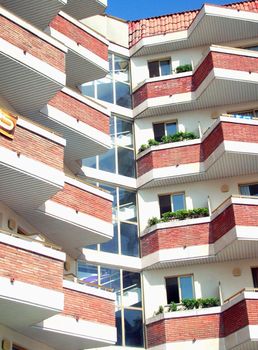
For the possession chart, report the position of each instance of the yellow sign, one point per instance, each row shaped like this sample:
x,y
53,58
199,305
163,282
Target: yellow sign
x,y
7,123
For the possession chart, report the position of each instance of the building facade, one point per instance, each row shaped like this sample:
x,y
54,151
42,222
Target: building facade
x,y
129,187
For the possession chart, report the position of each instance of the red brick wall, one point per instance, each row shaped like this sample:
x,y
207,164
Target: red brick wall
x,y
168,87
81,37
197,153
184,328
35,147
85,202
175,237
31,43
80,111
89,307
198,234
29,267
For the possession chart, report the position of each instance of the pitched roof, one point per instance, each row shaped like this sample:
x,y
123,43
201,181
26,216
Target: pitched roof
x,y
175,22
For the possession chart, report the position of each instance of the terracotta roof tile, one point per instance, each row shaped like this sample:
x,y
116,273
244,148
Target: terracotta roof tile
x,y
175,22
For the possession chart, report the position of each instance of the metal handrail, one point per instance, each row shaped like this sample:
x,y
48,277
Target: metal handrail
x,y
240,292
94,285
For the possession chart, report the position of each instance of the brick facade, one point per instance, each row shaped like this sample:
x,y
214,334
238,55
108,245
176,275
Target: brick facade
x,y
224,131
200,234
80,36
210,326
84,202
34,146
89,307
31,43
81,111
30,267
168,86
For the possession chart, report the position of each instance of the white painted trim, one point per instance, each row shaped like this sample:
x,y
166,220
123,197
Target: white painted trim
x,y
32,62
84,27
68,325
112,260
79,127
37,129
124,51
80,50
196,344
27,26
88,188
34,247
125,112
34,168
95,104
82,288
82,220
21,292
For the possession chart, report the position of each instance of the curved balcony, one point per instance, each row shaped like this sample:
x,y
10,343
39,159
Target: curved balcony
x,y
31,164
229,233
80,9
83,122
32,65
224,76
87,57
31,281
77,216
205,28
228,148
233,325
88,320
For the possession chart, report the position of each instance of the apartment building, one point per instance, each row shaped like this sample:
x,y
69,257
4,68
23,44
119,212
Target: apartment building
x,y
129,187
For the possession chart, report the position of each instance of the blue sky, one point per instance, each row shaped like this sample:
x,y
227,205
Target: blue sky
x,y
135,9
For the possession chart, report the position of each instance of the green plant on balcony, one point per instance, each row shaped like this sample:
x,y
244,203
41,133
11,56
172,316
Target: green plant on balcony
x,y
208,302
160,310
184,68
179,215
172,307
177,137
190,304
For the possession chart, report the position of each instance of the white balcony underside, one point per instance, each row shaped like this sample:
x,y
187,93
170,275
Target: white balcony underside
x,y
223,164
218,92
68,229
23,304
38,12
24,88
211,28
80,9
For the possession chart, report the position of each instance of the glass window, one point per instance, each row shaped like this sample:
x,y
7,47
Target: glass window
x,y
112,245
123,97
124,133
159,131
249,190
121,68
107,161
179,288
126,163
171,128
119,327
178,201
110,278
159,68
127,205
88,89
133,328
90,162
132,289
105,90
88,273
165,68
164,204
129,239
153,69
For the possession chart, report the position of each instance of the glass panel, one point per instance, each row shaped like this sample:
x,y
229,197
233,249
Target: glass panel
x,y
178,201
121,69
159,131
119,327
124,133
92,247
112,245
253,190
171,128
107,161
165,67
186,285
164,204
88,273
110,62
87,89
244,190
123,96
112,128
133,328
90,162
126,163
110,278
132,289
153,69
127,205
172,290
129,239
112,191
105,90
253,48
243,114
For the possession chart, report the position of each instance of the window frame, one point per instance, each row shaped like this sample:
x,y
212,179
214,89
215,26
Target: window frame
x,y
175,121
159,66
246,184
171,202
252,110
179,284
